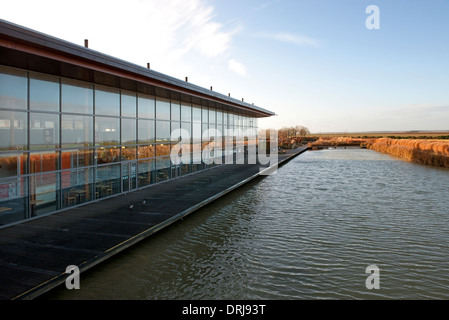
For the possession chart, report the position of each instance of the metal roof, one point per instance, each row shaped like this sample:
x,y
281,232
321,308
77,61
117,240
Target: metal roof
x,y
36,51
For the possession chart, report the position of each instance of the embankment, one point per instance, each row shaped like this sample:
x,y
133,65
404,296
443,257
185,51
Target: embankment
x,y
326,142
428,152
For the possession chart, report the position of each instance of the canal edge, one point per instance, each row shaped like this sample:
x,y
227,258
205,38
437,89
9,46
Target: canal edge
x,y
58,280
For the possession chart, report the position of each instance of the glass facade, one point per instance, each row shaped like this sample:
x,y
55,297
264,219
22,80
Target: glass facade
x,y
66,142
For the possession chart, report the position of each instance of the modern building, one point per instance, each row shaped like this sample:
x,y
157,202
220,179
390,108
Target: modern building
x,y
77,125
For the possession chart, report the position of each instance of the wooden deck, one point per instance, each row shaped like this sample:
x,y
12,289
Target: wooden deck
x,y
35,254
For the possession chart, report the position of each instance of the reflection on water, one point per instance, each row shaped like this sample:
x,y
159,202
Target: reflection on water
x,y
307,232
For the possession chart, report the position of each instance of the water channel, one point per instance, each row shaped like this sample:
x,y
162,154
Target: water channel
x,y
307,232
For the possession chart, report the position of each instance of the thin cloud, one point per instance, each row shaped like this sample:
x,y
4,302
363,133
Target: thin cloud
x,y
237,67
291,38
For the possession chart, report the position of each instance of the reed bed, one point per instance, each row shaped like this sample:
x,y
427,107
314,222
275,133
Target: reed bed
x,y
428,152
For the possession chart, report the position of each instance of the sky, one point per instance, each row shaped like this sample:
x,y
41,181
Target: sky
x,y
328,65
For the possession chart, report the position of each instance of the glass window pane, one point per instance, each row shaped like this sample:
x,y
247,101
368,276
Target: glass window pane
x,y
146,105
219,117
186,112
44,131
212,116
107,131
76,158
44,193
107,101
162,109
44,93
44,161
77,131
129,153
129,104
129,131
175,111
146,152
14,199
13,88
12,164
146,131
107,181
196,133
196,113
77,97
162,131
107,155
145,171
205,115
163,168
187,127
162,149
77,186
173,134
13,130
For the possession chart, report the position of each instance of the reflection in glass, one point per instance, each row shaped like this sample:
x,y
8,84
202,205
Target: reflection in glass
x,y
162,131
76,158
196,113
186,112
175,110
129,176
77,131
146,172
44,93
44,131
13,200
128,131
175,133
77,186
13,88
107,181
212,115
107,101
44,193
129,153
162,169
45,161
146,131
196,133
107,155
205,115
129,104
162,149
77,97
146,152
146,105
107,131
13,130
162,109
188,129
12,164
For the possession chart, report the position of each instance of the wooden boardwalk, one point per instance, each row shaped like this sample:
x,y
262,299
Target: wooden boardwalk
x,y
35,254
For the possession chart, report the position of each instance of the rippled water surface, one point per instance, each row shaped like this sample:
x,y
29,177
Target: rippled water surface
x,y
307,232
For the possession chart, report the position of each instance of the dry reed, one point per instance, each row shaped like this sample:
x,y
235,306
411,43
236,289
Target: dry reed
x,y
428,152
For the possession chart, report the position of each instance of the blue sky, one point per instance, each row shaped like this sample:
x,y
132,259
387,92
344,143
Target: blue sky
x,y
313,62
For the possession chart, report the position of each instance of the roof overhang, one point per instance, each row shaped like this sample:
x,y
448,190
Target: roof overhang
x,y
28,49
